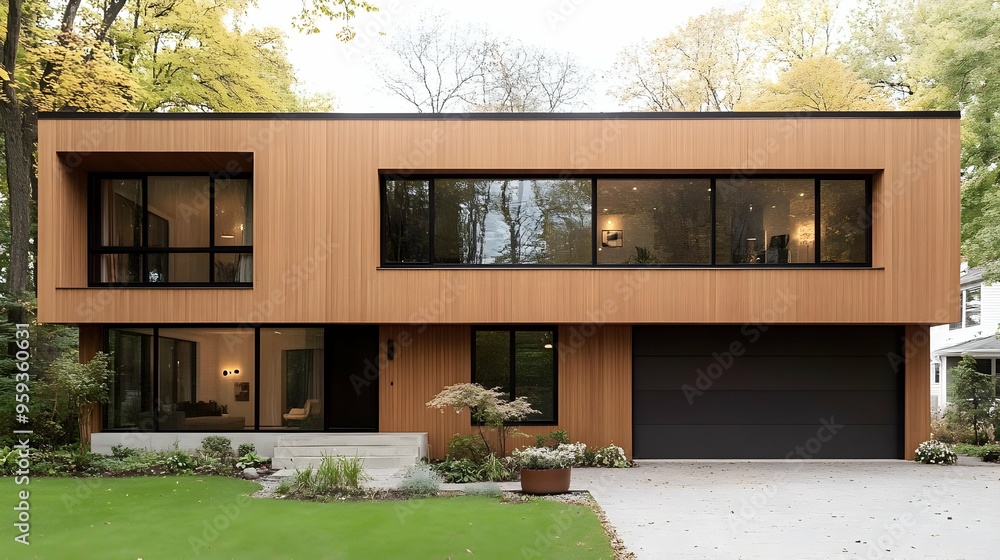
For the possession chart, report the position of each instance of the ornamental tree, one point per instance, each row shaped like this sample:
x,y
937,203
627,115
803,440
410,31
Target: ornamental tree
x,y
490,408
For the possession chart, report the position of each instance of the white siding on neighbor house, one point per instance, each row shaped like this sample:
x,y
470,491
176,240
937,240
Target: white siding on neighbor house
x,y
943,336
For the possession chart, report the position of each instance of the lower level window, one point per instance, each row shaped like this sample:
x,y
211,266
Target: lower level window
x,y
206,379
521,362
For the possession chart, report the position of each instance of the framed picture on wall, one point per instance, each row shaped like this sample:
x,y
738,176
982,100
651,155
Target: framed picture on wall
x,y
242,390
611,238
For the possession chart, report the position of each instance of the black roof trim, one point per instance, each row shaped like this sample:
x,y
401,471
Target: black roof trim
x,y
510,116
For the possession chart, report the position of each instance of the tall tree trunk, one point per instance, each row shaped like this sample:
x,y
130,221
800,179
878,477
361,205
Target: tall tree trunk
x,y
18,150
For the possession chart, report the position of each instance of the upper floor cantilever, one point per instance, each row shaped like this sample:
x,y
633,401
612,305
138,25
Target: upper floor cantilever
x,y
630,218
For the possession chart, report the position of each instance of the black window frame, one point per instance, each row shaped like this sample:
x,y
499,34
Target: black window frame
x,y
512,329
817,178
254,376
95,250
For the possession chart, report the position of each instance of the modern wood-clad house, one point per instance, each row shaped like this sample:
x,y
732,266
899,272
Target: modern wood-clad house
x,y
727,285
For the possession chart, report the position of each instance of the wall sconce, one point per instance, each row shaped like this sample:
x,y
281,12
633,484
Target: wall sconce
x,y
390,349
227,372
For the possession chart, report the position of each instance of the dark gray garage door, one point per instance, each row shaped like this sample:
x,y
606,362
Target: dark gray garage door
x,y
751,392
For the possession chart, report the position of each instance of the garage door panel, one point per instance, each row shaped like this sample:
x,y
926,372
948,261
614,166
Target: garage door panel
x,y
756,373
769,399
762,442
765,407
669,340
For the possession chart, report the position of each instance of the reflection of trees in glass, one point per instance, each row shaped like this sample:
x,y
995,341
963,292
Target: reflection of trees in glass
x,y
843,217
533,371
493,360
298,377
512,221
407,221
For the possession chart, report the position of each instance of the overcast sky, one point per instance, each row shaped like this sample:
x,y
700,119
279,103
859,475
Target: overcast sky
x,y
594,30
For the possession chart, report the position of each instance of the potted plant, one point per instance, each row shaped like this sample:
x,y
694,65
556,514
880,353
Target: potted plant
x,y
546,470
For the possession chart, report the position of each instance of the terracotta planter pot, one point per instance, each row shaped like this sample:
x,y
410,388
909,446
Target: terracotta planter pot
x,y
548,481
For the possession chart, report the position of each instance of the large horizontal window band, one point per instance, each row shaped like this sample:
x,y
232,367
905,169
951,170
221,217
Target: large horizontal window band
x,y
538,220
171,229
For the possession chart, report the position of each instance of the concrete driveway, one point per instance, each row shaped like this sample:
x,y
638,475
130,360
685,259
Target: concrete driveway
x,y
801,509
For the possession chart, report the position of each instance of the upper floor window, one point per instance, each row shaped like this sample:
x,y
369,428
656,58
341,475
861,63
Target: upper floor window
x,y
666,221
171,230
970,308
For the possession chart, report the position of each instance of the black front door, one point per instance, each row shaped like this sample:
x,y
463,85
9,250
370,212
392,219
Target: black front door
x,y
352,378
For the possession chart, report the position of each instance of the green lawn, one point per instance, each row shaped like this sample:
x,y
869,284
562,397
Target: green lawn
x,y
210,517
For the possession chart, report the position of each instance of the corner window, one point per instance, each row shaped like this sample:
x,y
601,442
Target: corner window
x,y
171,230
521,363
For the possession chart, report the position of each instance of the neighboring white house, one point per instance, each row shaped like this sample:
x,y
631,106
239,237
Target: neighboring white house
x,y
975,334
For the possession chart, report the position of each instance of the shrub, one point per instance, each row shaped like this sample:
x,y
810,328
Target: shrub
x,y
468,447
251,459
936,453
458,470
8,460
121,452
494,470
420,480
559,436
339,474
945,431
217,446
283,488
540,458
989,453
611,456
488,489
84,385
245,449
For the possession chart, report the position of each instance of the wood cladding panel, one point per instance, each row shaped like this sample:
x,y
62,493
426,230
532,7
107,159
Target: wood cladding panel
x,y
594,385
317,221
917,388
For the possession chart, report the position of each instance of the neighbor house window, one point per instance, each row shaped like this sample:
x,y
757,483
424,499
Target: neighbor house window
x,y
172,230
970,308
638,221
521,362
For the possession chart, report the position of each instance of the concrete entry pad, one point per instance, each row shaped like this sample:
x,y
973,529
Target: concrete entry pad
x,y
801,509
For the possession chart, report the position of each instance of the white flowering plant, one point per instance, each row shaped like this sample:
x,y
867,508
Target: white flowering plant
x,y
934,452
544,458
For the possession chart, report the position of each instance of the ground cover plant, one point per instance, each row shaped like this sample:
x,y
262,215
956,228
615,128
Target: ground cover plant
x,y
212,517
989,453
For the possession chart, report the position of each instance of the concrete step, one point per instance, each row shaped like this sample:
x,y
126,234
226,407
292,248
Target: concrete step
x,y
348,451
379,462
352,439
